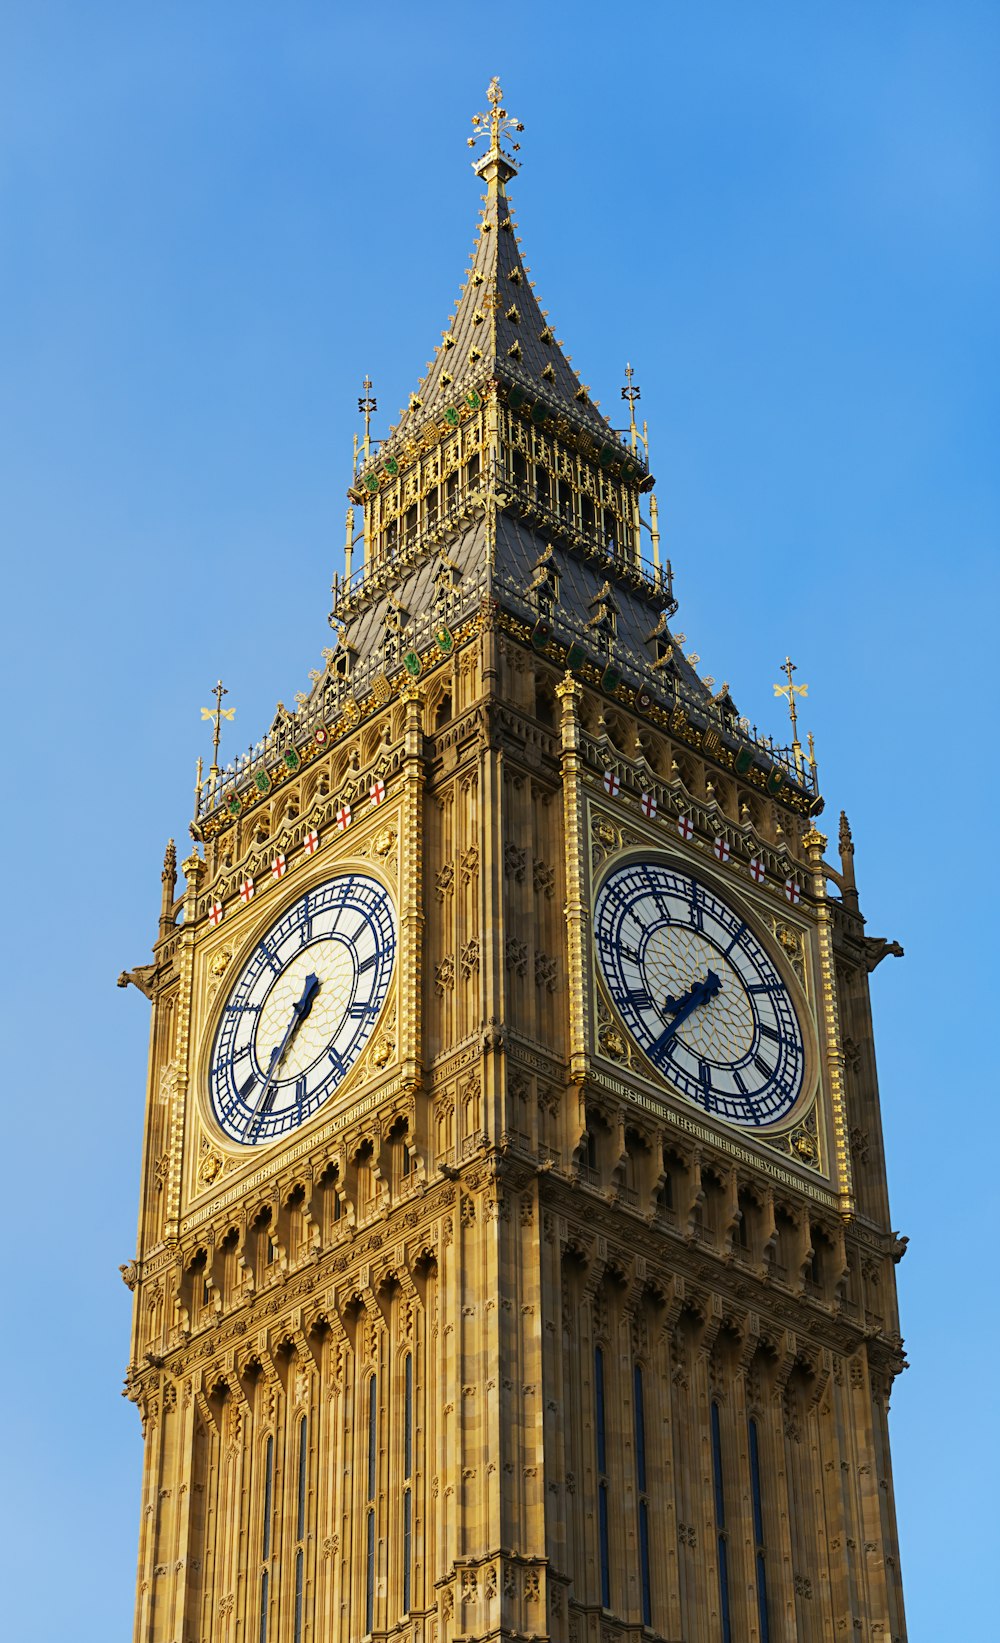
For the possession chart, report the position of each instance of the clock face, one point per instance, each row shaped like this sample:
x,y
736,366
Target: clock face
x,y
699,993
302,1008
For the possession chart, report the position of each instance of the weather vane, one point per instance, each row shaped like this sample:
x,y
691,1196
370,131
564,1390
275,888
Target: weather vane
x,y
217,714
497,124
790,692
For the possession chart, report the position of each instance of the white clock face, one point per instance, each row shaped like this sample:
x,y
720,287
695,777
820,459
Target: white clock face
x,y
699,993
302,1008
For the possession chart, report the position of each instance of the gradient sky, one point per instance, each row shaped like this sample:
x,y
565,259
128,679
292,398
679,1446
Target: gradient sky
x,y
216,217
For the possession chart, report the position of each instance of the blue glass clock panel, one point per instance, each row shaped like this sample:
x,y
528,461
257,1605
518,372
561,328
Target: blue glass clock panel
x,y
699,993
302,1008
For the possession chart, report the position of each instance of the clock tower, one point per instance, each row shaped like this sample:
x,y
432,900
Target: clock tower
x,y
514,1255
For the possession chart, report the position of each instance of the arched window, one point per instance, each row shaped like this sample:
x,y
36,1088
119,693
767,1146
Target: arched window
x,y
372,1474
758,1531
722,1542
640,1478
602,1478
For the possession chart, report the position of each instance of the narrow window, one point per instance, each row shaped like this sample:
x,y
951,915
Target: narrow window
x,y
640,1473
300,1518
298,1595
407,1474
610,532
372,1457
263,1607
602,1476
720,1525
370,1581
407,1541
758,1531
265,1538
300,1523
408,1415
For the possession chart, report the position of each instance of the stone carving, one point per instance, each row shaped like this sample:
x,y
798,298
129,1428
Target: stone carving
x,y
543,879
209,1167
514,862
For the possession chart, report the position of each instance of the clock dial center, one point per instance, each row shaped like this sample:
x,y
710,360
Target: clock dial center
x,y
723,1028
333,964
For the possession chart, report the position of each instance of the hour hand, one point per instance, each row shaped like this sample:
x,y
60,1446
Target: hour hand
x,y
309,992
698,993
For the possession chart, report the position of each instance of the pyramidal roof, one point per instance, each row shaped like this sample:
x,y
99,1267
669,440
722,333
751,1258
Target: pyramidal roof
x,y
497,327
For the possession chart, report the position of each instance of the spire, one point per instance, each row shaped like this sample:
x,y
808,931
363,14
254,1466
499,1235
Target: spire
x,y
497,328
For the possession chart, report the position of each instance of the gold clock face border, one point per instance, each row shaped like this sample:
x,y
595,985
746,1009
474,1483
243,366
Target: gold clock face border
x,y
209,1027
811,1081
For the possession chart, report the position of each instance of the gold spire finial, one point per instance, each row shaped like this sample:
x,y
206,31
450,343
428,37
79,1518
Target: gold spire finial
x,y
217,713
631,392
790,692
367,405
495,126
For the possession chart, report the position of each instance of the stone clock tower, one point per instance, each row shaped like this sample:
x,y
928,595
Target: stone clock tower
x,y
514,1254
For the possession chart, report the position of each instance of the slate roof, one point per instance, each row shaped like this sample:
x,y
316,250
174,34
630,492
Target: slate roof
x,y
497,327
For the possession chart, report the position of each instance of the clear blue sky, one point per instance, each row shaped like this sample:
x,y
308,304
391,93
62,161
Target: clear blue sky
x,y
215,219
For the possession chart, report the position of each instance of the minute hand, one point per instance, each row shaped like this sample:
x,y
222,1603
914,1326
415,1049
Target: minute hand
x,y
698,993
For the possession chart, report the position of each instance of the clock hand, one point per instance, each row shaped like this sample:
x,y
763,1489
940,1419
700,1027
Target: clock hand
x,y
697,994
299,1012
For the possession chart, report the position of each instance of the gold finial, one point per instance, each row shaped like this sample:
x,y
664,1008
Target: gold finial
x,y
495,126
367,405
790,692
631,392
217,713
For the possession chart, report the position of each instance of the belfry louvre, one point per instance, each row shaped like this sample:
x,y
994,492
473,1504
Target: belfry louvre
x,y
514,1255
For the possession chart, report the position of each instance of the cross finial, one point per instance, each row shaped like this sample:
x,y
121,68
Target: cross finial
x,y
217,714
495,126
790,691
